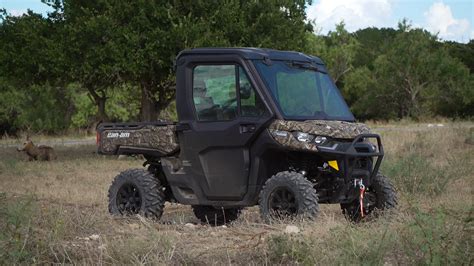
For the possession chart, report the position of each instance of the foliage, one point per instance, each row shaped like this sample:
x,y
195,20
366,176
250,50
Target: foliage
x,y
463,52
373,42
123,106
412,77
15,225
35,108
287,249
112,60
9,109
338,51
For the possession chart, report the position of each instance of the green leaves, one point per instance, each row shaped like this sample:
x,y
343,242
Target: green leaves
x,y
116,51
411,75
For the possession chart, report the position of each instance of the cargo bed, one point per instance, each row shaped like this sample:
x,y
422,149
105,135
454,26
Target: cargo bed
x,y
147,138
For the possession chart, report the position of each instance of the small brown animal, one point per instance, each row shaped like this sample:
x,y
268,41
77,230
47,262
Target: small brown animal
x,y
42,153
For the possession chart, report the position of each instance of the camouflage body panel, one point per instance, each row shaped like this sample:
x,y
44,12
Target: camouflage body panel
x,y
332,129
160,137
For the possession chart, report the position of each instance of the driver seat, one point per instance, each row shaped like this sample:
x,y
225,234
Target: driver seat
x,y
205,107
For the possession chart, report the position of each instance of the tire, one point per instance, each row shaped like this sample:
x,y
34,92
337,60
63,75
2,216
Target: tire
x,y
145,189
301,197
216,216
379,197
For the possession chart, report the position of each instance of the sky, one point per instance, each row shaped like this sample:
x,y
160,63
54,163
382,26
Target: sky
x,y
450,19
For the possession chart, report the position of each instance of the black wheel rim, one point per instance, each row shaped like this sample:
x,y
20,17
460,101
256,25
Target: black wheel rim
x,y
282,203
129,200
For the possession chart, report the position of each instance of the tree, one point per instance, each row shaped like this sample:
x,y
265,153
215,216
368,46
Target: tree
x,y
362,93
90,46
31,67
373,42
338,51
413,77
152,33
461,51
28,50
341,51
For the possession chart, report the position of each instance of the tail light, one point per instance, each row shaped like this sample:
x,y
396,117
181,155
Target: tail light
x,y
97,138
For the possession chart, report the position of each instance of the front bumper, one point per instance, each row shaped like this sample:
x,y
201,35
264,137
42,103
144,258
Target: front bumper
x,y
358,159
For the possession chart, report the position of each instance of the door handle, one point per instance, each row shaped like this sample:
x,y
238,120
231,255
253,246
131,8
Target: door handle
x,y
183,127
247,128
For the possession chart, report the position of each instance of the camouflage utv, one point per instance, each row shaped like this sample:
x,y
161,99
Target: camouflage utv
x,y
256,127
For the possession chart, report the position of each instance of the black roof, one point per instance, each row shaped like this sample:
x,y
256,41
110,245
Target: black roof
x,y
254,53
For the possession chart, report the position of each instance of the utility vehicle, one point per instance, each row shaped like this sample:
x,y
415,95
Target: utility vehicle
x,y
256,126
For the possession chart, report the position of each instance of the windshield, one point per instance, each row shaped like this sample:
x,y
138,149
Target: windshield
x,y
302,92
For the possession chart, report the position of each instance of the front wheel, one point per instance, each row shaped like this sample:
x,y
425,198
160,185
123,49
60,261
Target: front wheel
x,y
136,191
288,195
380,196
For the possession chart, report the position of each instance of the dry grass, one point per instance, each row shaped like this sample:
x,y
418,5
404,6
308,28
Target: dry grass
x,y
56,212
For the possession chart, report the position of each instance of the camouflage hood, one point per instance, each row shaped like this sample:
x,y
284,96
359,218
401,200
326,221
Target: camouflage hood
x,y
333,129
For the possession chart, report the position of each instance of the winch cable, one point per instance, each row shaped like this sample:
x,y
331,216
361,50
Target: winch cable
x,y
361,198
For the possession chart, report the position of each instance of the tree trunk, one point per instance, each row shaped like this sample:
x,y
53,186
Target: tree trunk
x,y
101,113
147,110
100,102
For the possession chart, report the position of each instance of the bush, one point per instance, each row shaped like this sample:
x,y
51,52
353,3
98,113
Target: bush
x,y
15,229
438,237
414,174
284,249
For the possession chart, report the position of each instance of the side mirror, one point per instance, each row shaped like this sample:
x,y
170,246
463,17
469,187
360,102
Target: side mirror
x,y
245,91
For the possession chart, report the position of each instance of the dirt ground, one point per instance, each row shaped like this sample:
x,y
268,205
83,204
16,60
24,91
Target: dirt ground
x,y
56,212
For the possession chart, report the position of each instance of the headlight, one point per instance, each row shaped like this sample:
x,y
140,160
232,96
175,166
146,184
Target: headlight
x,y
306,137
320,139
303,137
279,133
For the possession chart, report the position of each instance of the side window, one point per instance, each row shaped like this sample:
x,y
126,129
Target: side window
x,y
214,92
250,103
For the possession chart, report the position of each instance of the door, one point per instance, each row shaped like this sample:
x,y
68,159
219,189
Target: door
x,y
229,114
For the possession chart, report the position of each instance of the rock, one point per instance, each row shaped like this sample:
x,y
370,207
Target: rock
x,y
224,226
291,229
94,237
190,225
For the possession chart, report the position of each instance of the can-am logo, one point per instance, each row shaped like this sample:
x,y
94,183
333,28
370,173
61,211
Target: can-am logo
x,y
112,135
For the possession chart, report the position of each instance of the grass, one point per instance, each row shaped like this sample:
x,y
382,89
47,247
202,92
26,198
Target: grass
x,y
56,212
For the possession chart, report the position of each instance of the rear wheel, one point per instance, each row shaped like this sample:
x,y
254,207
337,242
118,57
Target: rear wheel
x,y
378,197
288,195
136,191
216,216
